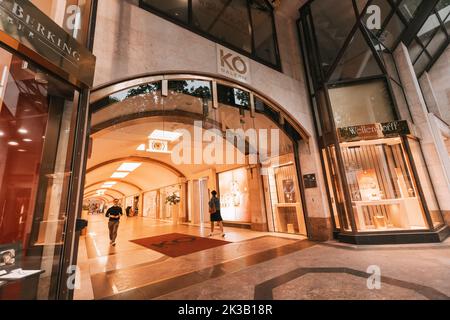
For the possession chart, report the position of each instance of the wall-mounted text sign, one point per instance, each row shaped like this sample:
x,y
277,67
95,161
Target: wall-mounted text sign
x,y
374,131
22,21
233,65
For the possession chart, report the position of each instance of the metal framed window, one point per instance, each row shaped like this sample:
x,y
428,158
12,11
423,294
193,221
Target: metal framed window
x,y
258,24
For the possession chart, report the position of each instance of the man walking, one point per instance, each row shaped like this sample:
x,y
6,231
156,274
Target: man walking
x,y
114,214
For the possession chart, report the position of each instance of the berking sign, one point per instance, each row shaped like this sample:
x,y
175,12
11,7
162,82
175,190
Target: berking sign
x,y
233,65
22,21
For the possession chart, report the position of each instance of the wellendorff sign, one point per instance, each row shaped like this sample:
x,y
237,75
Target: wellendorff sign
x,y
374,131
25,23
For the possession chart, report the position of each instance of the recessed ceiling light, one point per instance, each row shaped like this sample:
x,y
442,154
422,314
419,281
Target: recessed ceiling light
x,y
2,134
119,175
27,140
165,135
129,166
22,131
22,150
108,185
13,143
141,147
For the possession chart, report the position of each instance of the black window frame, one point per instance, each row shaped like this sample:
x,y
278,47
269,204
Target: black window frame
x,y
190,26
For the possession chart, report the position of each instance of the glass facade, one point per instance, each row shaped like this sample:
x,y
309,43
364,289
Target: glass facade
x,y
376,175
71,15
246,26
382,186
432,38
37,130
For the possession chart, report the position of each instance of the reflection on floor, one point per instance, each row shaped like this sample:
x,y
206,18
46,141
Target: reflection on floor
x,y
108,271
257,266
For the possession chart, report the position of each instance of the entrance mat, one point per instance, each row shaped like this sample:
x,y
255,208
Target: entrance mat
x,y
177,244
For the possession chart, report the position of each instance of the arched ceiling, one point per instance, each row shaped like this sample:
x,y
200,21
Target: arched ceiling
x,y
118,144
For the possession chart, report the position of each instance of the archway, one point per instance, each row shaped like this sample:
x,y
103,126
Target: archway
x,y
173,102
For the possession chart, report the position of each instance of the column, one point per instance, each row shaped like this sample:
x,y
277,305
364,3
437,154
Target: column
x,y
421,118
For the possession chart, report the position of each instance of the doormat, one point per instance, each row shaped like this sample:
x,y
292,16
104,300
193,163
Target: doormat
x,y
177,244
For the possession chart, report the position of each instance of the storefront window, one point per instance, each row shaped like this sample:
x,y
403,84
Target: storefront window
x,y
382,188
235,195
361,104
37,121
284,195
71,15
334,196
338,190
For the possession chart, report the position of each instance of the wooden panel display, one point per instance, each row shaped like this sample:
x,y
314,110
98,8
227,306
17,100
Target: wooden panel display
x,y
376,173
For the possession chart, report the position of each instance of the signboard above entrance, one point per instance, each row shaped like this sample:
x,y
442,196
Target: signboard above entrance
x,y
374,131
24,23
233,65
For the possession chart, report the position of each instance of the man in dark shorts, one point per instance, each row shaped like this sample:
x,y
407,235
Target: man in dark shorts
x,y
114,214
214,210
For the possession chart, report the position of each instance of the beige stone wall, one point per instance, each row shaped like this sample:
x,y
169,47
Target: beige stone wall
x,y
132,41
440,78
424,128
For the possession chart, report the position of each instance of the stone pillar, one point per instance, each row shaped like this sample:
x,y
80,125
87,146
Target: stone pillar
x,y
320,225
141,204
423,125
429,95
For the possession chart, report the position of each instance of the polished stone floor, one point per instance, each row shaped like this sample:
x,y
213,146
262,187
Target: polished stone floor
x,y
255,265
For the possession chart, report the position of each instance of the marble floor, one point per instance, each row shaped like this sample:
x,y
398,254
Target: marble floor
x,y
107,271
256,265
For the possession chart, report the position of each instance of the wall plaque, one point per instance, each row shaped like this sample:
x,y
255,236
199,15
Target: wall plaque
x,y
310,181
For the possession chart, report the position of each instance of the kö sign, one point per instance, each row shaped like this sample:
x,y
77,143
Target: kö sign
x,y
233,65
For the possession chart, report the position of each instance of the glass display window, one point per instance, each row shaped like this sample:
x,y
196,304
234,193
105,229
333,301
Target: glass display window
x,y
37,130
383,191
284,194
234,195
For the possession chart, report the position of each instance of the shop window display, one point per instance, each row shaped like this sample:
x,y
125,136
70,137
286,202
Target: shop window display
x,y
234,195
284,195
383,191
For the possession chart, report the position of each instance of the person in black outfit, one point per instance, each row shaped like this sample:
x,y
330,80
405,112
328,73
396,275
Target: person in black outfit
x,y
214,210
114,214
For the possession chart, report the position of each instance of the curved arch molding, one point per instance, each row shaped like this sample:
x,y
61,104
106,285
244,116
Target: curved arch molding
x,y
107,89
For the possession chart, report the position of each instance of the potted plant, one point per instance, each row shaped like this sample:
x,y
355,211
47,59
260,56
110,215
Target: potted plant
x,y
173,201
